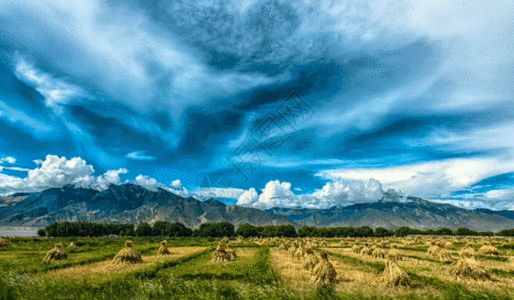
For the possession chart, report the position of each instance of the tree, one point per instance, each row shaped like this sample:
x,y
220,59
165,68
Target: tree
x,y
402,231
144,229
365,231
159,228
247,230
307,231
382,232
444,231
41,232
177,230
215,230
464,231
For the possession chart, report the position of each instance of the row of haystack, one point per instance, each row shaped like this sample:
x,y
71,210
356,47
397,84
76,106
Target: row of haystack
x,y
127,255
224,252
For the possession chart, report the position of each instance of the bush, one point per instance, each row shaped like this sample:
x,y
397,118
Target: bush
x,y
41,232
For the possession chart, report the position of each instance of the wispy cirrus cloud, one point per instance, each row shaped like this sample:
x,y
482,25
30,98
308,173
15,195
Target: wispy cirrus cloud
x,y
140,156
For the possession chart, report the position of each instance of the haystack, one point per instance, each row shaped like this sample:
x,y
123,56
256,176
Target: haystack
x,y
324,272
448,245
356,249
127,255
55,254
283,247
163,250
4,242
324,244
433,248
394,276
300,252
487,249
468,268
293,249
394,254
443,255
311,260
468,251
366,250
220,254
378,253
231,253
71,245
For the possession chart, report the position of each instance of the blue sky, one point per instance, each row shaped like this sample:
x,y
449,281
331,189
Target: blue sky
x,y
272,103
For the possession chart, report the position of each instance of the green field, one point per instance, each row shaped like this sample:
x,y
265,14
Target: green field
x,y
260,272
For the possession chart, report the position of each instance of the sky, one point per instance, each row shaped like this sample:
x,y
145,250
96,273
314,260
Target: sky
x,y
264,103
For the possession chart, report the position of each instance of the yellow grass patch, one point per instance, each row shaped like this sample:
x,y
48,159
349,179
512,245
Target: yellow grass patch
x,y
106,270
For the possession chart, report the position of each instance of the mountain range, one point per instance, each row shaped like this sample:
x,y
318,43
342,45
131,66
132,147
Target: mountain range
x,y
131,203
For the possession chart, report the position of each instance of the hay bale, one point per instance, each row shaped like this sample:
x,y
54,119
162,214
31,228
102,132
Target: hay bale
x,y
71,245
366,251
378,253
394,276
300,252
293,249
220,254
310,262
324,244
283,247
231,253
468,251
468,268
127,255
163,249
488,250
324,272
394,254
443,255
356,249
4,242
55,254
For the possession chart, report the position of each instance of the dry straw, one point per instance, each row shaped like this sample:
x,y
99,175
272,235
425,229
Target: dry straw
x,y
366,250
71,245
221,254
356,249
394,254
487,249
379,253
468,268
311,260
394,276
128,255
163,249
468,251
283,247
324,272
55,254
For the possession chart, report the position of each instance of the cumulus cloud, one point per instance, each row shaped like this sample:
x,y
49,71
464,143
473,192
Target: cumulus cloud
x,y
338,193
176,184
140,156
56,172
9,159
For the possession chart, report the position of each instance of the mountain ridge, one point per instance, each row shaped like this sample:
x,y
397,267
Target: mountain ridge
x,y
129,203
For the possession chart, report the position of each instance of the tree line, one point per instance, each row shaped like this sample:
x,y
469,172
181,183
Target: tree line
x,y
221,229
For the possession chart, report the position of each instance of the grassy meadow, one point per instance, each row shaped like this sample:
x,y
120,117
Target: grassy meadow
x,y
262,270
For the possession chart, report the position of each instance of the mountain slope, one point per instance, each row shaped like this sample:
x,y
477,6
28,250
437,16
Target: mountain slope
x,y
391,213
123,204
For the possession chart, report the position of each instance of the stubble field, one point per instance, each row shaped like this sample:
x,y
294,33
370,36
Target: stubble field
x,y
263,269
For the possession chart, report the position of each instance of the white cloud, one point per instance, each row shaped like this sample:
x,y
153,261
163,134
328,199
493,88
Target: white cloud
x,y
176,184
148,183
140,155
339,193
218,192
56,172
9,159
430,180
56,92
